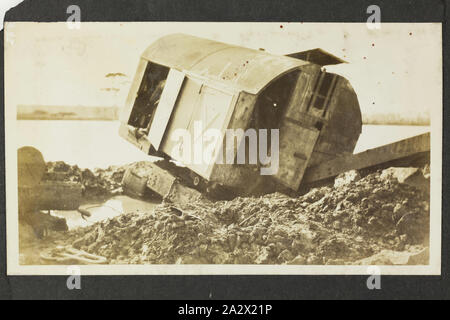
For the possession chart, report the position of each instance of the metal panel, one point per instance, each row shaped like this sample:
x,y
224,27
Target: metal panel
x,y
238,67
213,111
165,107
317,56
160,181
296,146
181,116
199,108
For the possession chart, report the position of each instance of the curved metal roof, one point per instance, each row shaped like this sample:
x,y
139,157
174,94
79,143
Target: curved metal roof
x,y
243,68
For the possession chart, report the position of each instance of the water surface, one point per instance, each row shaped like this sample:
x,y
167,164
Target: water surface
x,y
91,144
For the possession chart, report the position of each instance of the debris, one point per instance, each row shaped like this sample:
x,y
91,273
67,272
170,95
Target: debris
x,y
101,183
372,217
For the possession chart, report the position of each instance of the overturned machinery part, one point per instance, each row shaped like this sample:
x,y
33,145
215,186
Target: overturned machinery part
x,y
31,167
288,110
35,194
145,177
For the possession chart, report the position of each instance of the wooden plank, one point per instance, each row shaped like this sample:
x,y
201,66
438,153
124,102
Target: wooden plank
x,y
165,107
182,116
397,150
317,56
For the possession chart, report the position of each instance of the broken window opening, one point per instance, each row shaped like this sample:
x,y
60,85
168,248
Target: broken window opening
x,y
272,104
323,90
148,96
273,101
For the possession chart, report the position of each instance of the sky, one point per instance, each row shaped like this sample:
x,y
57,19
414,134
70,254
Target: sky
x,y
395,69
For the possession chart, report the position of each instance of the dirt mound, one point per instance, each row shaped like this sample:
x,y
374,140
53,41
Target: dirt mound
x,y
342,224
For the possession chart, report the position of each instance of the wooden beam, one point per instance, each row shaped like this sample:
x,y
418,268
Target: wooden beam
x,y
394,151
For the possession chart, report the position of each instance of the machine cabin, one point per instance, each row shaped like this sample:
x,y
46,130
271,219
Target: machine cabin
x,y
183,81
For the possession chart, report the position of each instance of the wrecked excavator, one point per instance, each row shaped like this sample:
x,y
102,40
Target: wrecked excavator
x,y
183,81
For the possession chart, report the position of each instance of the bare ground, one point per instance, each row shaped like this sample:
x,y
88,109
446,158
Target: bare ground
x,y
375,219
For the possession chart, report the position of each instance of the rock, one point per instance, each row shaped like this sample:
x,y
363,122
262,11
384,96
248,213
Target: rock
x,y
398,207
285,256
87,174
300,260
263,256
60,166
202,238
415,177
313,195
365,202
313,260
426,171
232,239
297,245
407,225
346,178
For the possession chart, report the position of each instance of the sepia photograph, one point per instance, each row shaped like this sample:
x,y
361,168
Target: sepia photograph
x,y
223,148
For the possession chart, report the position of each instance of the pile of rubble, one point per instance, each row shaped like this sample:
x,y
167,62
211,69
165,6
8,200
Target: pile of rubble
x,y
357,221
94,184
